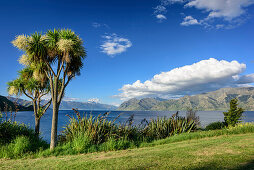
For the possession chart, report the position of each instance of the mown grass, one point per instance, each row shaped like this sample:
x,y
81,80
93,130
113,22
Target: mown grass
x,y
232,151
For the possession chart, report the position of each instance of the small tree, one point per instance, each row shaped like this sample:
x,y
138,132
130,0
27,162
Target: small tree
x,y
34,87
191,114
234,114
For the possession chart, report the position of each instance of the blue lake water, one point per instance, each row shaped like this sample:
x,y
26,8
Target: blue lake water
x,y
206,117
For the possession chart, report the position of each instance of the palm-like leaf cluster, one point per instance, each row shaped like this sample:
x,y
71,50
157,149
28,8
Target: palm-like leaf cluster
x,y
56,45
26,83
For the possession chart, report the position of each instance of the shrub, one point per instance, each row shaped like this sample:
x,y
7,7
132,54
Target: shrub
x,y
215,125
10,130
18,139
99,130
164,127
234,114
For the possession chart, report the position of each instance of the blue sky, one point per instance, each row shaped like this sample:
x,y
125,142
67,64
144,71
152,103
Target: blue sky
x,y
136,46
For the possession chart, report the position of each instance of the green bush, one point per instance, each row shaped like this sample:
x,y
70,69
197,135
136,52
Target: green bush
x,y
100,130
10,130
215,125
18,139
164,127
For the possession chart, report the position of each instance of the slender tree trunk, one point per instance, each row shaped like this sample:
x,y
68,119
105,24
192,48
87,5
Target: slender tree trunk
x,y
37,121
37,125
53,140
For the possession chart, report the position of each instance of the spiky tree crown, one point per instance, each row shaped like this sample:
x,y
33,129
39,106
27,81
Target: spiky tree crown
x,y
62,45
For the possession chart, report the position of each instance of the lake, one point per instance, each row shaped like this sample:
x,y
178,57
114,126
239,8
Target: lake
x,y
206,117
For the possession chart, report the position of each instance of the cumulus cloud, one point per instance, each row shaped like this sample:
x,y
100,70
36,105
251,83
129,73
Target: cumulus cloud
x,y
189,20
226,9
203,76
114,44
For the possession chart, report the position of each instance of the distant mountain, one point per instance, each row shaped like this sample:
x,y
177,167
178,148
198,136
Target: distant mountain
x,y
8,104
68,105
217,100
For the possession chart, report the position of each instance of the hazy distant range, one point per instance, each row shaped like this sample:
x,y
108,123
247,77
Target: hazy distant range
x,y
68,105
216,100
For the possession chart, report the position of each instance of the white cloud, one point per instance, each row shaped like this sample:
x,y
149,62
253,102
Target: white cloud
x,y
226,9
203,76
115,45
189,20
229,13
93,100
161,17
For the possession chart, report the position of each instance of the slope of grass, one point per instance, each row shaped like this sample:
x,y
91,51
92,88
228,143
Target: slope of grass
x,y
219,152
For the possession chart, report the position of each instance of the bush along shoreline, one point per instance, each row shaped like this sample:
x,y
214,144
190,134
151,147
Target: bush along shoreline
x,y
85,134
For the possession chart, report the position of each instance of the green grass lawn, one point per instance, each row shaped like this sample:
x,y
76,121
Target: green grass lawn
x,y
221,152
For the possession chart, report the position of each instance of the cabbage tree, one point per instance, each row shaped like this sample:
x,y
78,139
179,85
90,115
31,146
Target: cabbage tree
x,y
62,52
34,86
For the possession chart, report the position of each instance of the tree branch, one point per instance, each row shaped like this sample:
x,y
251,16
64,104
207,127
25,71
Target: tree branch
x,y
45,109
48,103
61,67
50,82
63,88
27,94
50,68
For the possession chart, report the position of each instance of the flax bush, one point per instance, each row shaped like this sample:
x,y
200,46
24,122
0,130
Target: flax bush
x,y
99,130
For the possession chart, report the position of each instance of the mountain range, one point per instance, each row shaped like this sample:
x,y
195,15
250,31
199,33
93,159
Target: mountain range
x,y
216,100
68,105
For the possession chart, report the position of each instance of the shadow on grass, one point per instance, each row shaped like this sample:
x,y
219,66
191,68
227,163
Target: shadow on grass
x,y
248,165
245,166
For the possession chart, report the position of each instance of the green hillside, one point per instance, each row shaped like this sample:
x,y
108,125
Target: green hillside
x,y
6,104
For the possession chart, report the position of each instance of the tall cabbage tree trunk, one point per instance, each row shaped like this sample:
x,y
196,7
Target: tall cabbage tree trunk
x,y
53,140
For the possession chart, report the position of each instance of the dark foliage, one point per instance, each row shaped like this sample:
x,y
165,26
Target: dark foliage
x,y
215,125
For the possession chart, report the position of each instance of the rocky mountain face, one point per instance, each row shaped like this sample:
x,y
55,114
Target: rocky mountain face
x,y
216,100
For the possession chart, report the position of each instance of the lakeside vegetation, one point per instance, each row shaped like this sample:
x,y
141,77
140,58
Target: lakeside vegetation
x,y
86,134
